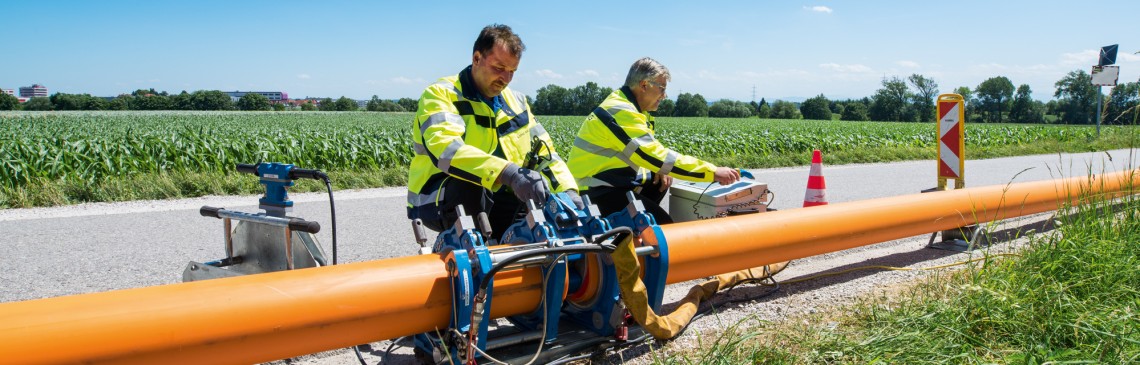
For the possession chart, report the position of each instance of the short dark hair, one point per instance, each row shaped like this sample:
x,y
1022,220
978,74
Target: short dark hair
x,y
498,34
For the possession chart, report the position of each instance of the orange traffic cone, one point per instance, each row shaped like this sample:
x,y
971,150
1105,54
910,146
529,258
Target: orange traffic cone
x,y
816,194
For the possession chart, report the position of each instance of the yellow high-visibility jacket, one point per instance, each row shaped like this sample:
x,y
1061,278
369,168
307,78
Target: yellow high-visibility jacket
x,y
457,135
616,147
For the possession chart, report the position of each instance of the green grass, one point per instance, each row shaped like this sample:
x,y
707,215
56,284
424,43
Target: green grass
x,y
58,158
1071,297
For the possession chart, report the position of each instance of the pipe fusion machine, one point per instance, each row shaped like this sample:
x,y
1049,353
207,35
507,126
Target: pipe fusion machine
x,y
581,306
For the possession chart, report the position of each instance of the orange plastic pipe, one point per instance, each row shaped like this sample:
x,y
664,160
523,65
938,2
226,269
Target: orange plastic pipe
x,y
702,248
272,316
248,319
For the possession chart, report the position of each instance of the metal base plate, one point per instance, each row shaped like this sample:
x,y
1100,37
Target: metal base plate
x,y
573,341
961,240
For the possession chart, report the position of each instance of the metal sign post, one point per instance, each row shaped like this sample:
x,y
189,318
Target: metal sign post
x,y
1103,76
1107,57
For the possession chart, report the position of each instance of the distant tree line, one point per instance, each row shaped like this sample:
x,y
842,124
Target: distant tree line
x,y
150,99
912,99
909,99
382,105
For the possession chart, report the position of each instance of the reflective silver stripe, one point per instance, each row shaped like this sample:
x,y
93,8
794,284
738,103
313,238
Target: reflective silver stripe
x,y
623,106
630,148
591,181
418,200
521,100
668,165
447,85
419,148
636,143
593,148
449,153
536,130
442,117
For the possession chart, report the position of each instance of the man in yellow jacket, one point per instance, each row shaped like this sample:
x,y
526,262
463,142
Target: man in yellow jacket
x,y
478,145
616,151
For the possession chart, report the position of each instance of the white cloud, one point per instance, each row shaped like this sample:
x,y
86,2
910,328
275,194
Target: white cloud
x,y
856,68
708,75
1086,57
547,73
304,76
991,67
818,9
908,64
588,73
406,80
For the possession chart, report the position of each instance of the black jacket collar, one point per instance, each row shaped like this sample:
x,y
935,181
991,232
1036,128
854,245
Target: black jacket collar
x,y
629,95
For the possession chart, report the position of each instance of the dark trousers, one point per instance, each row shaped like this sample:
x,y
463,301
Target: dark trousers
x,y
502,207
610,200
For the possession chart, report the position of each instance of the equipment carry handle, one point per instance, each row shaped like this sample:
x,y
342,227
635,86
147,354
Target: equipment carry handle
x,y
208,211
298,224
247,168
306,173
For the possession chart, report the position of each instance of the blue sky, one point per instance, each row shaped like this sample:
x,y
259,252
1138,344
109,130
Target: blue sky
x,y
722,50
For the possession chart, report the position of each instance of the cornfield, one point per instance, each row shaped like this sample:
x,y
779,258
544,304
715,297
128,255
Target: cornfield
x,y
86,146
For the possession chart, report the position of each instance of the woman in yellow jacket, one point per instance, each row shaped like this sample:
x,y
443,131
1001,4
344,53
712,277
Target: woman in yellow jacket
x,y
616,151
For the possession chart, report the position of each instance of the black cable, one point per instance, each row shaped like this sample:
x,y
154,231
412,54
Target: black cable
x,y
698,201
358,355
571,249
532,162
486,281
387,352
613,233
332,212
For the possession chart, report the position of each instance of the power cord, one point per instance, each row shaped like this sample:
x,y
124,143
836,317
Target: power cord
x,y
332,212
545,319
599,247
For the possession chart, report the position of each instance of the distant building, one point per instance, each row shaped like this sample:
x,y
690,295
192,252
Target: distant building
x,y
9,91
273,96
33,91
298,102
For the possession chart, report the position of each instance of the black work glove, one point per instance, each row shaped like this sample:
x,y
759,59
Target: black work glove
x,y
526,183
576,199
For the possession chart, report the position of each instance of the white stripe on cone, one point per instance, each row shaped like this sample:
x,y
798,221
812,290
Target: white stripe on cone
x,y
816,194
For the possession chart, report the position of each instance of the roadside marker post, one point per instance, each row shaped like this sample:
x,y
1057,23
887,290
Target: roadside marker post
x,y
951,140
952,165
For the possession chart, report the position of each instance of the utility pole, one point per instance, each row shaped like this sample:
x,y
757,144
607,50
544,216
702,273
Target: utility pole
x,y
753,93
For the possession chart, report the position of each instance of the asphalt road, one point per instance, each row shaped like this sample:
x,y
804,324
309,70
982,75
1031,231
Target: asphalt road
x,y
99,247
